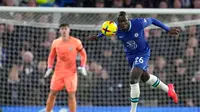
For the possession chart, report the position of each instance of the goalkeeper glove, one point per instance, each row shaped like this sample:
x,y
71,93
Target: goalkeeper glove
x,y
83,71
48,72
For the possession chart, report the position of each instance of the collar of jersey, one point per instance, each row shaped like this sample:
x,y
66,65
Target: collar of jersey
x,y
130,26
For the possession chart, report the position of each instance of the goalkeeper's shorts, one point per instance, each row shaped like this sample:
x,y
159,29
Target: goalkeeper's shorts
x,y
58,83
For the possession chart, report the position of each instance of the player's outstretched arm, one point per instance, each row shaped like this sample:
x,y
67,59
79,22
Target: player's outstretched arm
x,y
171,31
148,21
95,37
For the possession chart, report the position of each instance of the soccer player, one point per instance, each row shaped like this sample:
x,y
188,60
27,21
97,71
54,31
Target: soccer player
x,y
65,49
137,50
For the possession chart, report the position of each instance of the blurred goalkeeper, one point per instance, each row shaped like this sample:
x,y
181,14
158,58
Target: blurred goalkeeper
x,y
137,50
65,49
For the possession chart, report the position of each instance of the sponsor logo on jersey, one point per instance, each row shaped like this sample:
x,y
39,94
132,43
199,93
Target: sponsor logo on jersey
x,y
131,44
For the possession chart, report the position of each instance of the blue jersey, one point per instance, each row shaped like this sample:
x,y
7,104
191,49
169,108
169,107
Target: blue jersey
x,y
135,46
133,40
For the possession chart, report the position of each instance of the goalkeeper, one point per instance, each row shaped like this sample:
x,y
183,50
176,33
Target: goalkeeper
x,y
131,33
65,49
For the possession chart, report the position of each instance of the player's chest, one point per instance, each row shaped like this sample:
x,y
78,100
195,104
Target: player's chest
x,y
65,47
126,36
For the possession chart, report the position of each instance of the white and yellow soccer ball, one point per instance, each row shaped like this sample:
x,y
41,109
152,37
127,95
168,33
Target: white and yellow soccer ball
x,y
109,28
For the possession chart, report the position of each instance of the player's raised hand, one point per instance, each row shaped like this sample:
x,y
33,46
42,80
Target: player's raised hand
x,y
174,31
94,37
48,72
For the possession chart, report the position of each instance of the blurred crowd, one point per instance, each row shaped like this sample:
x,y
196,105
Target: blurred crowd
x,y
24,51
96,18
105,3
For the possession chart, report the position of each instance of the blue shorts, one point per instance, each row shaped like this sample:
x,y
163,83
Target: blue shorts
x,y
140,60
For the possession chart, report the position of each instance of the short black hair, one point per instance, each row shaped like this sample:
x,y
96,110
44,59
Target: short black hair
x,y
64,25
122,13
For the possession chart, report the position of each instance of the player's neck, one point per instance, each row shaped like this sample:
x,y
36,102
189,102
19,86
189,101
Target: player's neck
x,y
65,38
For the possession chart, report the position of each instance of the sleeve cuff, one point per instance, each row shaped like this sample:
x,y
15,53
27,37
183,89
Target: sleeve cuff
x,y
49,67
100,35
83,66
167,29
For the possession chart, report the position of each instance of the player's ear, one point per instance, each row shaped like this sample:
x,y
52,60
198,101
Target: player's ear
x,y
127,17
59,30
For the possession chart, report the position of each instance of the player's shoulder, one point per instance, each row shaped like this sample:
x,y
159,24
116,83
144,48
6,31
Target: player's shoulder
x,y
57,40
133,19
137,19
76,40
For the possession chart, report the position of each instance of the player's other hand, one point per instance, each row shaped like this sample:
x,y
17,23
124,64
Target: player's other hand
x,y
83,71
174,31
94,37
48,72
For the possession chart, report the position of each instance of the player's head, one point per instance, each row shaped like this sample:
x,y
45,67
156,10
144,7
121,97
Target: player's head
x,y
123,21
64,30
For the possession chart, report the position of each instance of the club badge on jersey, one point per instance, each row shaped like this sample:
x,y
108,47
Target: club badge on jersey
x,y
70,48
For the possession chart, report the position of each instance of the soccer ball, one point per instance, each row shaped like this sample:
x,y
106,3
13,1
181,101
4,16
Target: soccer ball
x,y
109,28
